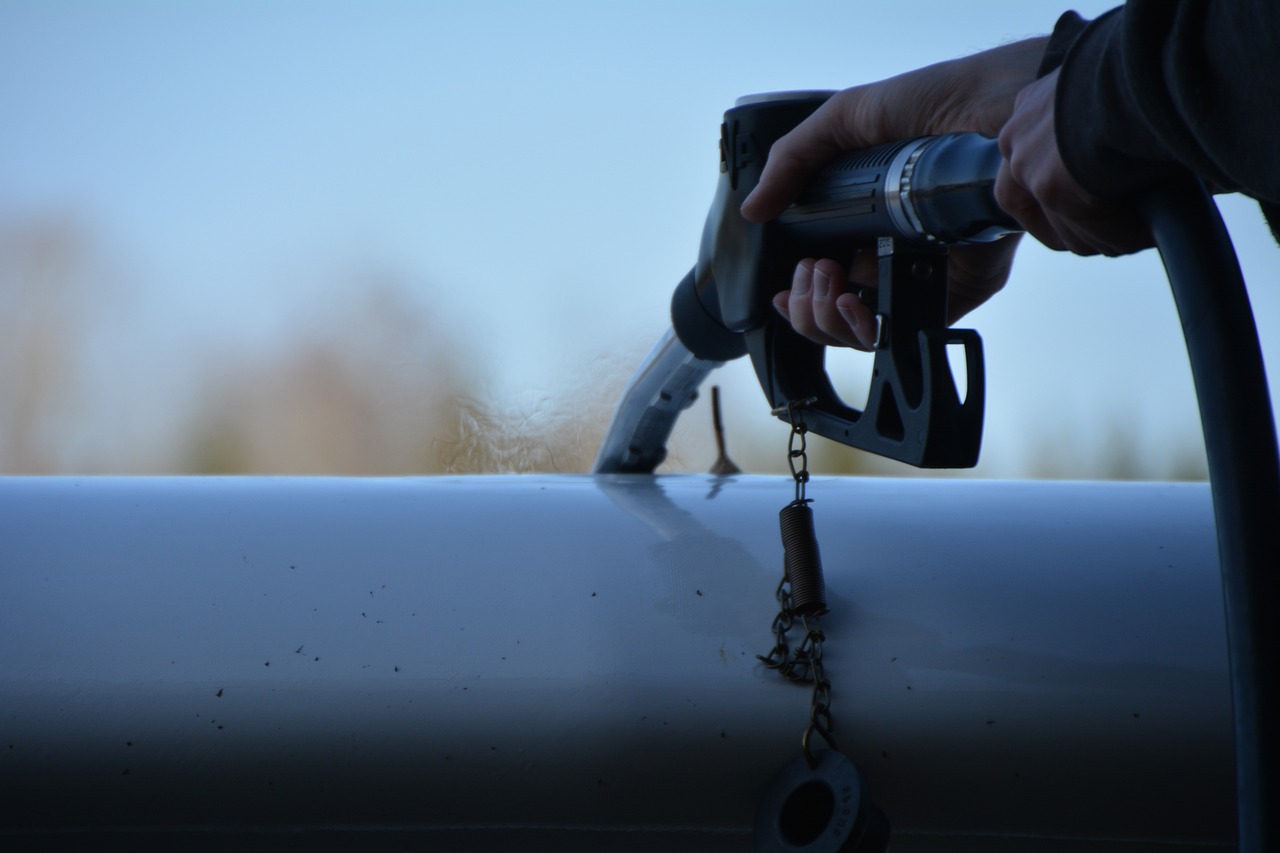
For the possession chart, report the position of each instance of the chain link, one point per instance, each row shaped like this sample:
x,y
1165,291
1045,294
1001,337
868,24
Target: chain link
x,y
803,665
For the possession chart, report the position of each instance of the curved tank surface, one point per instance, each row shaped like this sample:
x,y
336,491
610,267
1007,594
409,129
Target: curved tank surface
x,y
569,662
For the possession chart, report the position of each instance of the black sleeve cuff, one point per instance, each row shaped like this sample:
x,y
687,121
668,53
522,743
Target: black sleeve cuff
x,y
1069,26
1103,135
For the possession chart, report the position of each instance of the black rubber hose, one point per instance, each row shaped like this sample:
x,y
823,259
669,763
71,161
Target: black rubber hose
x,y
1244,476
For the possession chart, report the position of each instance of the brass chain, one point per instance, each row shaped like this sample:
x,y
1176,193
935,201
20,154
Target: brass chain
x,y
802,665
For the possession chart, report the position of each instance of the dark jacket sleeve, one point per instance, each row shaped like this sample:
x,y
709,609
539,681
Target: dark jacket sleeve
x,y
1162,85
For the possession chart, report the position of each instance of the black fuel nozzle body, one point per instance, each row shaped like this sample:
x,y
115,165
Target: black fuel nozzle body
x,y
907,200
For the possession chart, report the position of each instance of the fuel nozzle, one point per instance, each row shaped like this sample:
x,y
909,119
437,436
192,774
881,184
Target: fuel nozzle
x,y
907,201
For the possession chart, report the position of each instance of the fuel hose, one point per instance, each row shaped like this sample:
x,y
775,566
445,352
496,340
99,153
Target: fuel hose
x,y
1244,476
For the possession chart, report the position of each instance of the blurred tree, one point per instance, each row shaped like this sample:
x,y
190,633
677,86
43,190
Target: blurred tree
x,y
53,288
370,389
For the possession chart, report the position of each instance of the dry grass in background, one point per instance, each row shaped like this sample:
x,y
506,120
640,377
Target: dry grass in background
x,y
375,387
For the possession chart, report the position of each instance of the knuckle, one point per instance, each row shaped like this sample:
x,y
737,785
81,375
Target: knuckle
x,y
1004,141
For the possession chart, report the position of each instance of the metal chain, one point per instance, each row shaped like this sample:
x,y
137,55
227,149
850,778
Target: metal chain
x,y
798,448
802,665
820,700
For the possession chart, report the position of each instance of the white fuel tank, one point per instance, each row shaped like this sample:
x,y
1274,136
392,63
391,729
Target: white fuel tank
x,y
569,662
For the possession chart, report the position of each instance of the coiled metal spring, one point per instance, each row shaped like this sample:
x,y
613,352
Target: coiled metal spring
x,y
802,560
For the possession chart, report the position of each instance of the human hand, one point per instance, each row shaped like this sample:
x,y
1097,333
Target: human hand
x,y
976,93
1035,188
824,305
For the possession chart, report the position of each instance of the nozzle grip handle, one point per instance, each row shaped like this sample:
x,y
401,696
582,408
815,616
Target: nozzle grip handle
x,y
915,412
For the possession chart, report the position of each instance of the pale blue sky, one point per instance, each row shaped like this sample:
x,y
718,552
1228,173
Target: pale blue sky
x,y
540,169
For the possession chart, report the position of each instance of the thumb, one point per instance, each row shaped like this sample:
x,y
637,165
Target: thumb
x,y
795,158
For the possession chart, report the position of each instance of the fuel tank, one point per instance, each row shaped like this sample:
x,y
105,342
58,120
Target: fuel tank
x,y
569,662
